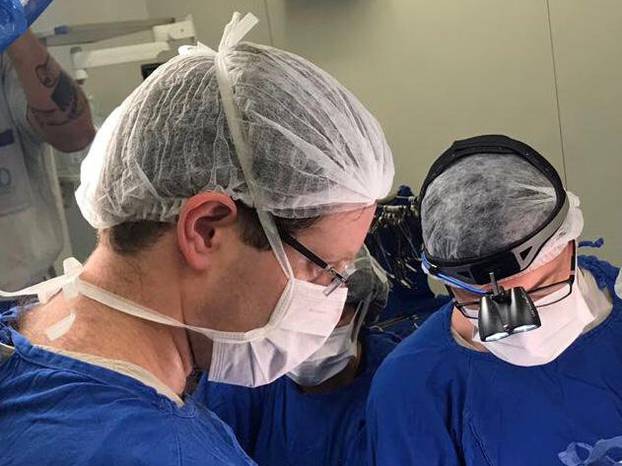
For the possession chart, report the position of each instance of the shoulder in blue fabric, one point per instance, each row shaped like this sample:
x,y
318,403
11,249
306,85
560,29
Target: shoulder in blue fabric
x,y
604,272
8,319
17,16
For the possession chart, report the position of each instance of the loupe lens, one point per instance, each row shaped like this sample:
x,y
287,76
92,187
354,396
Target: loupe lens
x,y
523,315
490,322
525,328
497,336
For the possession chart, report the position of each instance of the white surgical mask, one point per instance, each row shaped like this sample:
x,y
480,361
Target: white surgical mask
x,y
301,322
342,345
329,360
562,323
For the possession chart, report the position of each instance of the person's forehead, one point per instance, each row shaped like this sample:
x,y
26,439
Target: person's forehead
x,y
339,236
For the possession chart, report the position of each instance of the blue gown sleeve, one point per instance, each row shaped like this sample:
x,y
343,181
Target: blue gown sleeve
x,y
239,407
408,417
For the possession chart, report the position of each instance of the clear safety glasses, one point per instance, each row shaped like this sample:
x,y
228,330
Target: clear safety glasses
x,y
339,279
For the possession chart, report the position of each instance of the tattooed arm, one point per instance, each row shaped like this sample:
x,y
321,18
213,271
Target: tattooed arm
x,y
57,107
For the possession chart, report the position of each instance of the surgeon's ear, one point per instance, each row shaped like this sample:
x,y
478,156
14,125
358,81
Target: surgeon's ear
x,y
202,221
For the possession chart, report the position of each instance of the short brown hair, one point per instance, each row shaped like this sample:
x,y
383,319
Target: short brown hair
x,y
132,237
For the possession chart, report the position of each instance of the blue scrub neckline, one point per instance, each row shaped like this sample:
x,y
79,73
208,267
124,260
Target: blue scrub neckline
x,y
42,357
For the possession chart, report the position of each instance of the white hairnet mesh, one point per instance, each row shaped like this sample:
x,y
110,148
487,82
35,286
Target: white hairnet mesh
x,y
570,230
313,147
482,204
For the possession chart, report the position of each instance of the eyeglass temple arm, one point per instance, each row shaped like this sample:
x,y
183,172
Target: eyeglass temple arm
x,y
294,243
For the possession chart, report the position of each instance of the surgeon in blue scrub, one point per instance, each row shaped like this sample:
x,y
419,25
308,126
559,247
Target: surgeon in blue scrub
x,y
227,230
526,362
315,415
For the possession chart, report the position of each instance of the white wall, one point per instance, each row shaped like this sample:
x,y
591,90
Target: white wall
x,y
435,71
587,38
210,17
62,12
432,72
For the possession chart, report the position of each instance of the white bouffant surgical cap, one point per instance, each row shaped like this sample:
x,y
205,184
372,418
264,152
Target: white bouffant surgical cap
x,y
262,125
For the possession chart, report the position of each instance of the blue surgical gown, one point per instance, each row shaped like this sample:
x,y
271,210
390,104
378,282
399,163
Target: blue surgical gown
x,y
434,402
280,425
56,410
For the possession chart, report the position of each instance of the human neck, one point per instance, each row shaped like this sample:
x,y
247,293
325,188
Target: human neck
x,y
105,332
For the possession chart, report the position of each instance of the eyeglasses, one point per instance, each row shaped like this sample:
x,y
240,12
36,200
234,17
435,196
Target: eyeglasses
x,y
544,295
338,279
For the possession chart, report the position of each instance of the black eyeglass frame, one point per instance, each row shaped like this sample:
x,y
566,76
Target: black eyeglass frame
x,y
462,306
339,279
